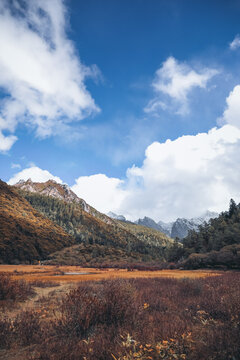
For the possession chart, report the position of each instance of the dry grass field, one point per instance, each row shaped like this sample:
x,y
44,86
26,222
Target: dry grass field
x,y
71,274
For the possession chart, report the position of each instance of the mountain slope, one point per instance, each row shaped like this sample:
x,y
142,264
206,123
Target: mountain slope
x,y
147,235
94,255
219,232
215,244
25,234
92,231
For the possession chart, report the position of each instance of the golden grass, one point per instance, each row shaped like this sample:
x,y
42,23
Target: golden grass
x,y
55,273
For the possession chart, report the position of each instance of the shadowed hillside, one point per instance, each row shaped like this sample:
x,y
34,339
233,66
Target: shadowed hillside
x,y
25,234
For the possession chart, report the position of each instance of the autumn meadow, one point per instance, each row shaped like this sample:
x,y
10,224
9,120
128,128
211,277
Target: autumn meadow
x,y
73,313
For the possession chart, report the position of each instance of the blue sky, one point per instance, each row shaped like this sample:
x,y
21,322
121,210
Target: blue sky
x,y
107,80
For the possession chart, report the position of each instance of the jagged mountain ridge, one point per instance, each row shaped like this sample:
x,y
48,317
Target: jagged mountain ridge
x,y
147,222
178,228
52,188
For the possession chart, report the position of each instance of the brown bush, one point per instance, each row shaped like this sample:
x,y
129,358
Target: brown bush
x,y
27,328
13,290
91,305
5,333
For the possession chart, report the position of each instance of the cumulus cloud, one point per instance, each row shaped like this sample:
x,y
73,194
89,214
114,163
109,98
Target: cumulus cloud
x,y
235,44
179,178
174,81
231,114
102,192
35,174
41,76
186,176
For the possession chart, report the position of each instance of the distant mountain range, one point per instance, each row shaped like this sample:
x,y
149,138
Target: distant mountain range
x,y
178,228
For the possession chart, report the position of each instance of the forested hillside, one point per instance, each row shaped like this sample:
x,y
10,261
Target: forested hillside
x,y
217,243
92,231
25,234
147,235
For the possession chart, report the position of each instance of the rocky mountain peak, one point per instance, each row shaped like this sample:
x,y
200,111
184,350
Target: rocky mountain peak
x,y
180,227
147,221
115,216
53,189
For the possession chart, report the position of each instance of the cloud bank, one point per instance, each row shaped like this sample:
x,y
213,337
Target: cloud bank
x,y
173,82
100,191
35,174
41,76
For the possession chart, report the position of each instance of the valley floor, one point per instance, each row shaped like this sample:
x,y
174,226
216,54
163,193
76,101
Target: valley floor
x,y
74,313
76,273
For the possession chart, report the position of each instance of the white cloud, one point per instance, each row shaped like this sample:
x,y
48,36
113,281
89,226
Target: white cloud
x,y
40,71
6,142
100,191
176,80
235,44
35,174
231,114
186,176
180,178
15,166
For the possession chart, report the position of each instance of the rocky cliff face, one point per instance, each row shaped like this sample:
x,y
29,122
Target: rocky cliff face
x,y
53,189
146,221
178,228
182,226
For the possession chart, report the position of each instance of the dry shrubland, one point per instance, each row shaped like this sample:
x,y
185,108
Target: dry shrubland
x,y
158,318
13,290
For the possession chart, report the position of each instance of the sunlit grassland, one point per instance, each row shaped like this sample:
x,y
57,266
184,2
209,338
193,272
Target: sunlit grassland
x,y
53,273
